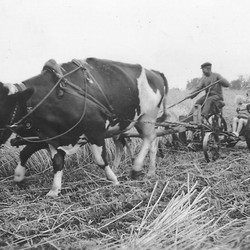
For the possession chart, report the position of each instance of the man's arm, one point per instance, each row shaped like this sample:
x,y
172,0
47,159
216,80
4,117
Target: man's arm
x,y
225,83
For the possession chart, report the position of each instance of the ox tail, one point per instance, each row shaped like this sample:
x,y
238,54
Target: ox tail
x,y
163,102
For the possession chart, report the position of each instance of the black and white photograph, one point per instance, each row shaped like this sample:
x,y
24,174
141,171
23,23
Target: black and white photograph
x,y
124,125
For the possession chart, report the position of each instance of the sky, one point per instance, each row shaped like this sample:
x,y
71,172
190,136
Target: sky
x,y
172,36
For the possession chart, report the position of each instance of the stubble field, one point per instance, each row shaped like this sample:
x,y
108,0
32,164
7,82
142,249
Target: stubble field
x,y
189,204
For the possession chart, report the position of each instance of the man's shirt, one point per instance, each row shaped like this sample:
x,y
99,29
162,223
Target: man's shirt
x,y
215,89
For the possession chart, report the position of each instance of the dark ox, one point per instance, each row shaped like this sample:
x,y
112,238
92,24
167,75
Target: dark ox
x,y
82,101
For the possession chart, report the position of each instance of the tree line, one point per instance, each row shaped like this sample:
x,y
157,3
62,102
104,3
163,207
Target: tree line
x,y
241,82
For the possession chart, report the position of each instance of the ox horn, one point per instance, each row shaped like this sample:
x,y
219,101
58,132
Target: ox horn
x,y
14,88
11,87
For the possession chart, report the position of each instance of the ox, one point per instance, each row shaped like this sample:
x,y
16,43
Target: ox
x,y
82,101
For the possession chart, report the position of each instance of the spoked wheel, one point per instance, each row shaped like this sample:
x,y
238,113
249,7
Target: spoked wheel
x,y
211,146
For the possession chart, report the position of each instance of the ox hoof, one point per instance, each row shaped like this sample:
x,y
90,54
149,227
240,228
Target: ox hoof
x,y
53,193
19,174
135,174
116,183
150,174
18,178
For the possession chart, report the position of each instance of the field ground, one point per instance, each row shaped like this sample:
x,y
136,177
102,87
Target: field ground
x,y
189,204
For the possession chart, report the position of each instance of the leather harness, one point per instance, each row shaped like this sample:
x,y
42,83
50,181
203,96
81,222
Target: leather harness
x,y
64,86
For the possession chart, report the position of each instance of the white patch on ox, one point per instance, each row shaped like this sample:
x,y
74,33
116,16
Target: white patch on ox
x,y
19,173
152,157
57,184
70,150
52,151
107,124
12,88
148,98
97,152
110,175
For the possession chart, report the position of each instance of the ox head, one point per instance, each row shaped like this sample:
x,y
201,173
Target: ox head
x,y
13,99
12,103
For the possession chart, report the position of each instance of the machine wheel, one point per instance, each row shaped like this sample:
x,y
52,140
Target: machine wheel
x,y
218,122
211,146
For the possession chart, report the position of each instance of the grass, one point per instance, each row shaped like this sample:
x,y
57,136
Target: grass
x,y
189,204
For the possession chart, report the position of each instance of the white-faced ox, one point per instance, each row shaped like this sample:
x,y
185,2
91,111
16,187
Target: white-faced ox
x,y
87,100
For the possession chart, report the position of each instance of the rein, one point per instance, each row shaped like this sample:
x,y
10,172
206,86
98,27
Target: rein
x,y
76,90
92,79
61,78
57,136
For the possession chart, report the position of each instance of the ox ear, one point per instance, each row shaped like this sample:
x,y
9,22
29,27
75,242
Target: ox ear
x,y
12,89
52,64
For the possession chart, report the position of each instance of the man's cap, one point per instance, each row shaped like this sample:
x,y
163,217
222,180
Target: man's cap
x,y
206,64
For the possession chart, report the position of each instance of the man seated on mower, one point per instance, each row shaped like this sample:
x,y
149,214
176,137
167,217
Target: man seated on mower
x,y
214,94
240,121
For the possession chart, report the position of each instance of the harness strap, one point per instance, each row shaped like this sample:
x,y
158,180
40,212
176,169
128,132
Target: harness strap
x,y
75,90
79,64
34,140
20,87
45,97
78,91
82,94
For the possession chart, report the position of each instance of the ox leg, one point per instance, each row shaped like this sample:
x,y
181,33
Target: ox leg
x,y
152,157
128,144
58,163
120,144
101,160
25,154
147,130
